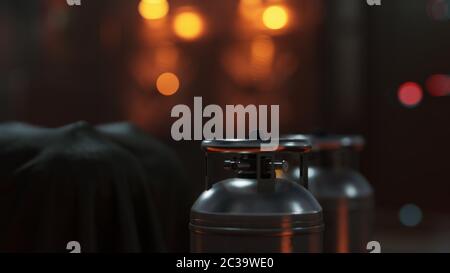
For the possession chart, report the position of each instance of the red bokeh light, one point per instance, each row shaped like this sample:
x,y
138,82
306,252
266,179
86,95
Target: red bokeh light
x,y
438,85
410,94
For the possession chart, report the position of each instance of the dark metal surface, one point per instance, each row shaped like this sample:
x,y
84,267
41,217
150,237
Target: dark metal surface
x,y
344,194
254,146
322,142
256,212
347,200
241,215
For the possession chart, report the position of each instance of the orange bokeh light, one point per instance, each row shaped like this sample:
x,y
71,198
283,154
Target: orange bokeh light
x,y
250,9
167,83
262,54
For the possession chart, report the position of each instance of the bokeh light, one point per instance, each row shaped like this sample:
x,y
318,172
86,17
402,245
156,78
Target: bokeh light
x,y
250,9
410,94
262,53
438,10
167,83
410,215
188,25
167,57
275,17
153,9
438,85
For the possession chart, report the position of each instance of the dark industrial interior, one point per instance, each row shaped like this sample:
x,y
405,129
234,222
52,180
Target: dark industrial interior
x,y
343,67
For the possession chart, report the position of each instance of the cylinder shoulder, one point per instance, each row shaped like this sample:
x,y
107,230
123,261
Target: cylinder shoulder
x,y
342,182
239,196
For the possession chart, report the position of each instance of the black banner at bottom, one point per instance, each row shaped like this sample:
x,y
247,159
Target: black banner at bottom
x,y
219,262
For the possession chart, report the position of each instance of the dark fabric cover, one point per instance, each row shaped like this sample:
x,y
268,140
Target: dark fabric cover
x,y
76,184
166,178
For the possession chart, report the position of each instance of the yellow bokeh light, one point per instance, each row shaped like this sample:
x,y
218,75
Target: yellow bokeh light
x,y
275,17
188,25
167,83
153,9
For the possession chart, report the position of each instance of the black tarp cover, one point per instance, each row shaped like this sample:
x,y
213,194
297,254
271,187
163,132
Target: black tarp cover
x,y
103,187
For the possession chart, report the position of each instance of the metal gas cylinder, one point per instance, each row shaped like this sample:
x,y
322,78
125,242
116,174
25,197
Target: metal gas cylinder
x,y
344,194
254,211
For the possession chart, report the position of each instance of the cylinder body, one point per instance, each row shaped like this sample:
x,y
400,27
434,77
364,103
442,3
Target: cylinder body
x,y
246,215
345,195
347,201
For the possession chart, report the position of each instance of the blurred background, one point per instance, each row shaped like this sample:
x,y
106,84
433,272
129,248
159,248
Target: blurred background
x,y
338,66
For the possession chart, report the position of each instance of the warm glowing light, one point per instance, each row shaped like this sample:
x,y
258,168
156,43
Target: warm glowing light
x,y
166,57
153,9
188,25
167,84
275,17
410,94
262,55
250,3
250,9
262,46
438,85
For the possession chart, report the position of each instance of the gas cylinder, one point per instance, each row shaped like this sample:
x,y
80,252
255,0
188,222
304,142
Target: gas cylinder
x,y
253,210
345,194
